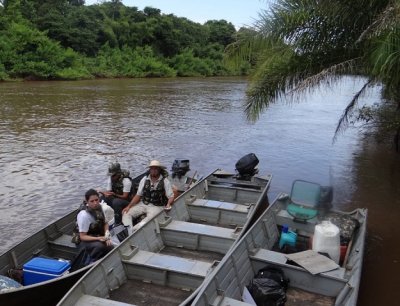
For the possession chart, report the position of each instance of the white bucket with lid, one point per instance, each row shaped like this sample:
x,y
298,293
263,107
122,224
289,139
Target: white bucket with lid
x,y
327,240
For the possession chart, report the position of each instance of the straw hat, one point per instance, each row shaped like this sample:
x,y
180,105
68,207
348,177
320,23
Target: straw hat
x,y
156,163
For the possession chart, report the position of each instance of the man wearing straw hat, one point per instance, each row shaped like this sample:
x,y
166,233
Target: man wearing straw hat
x,y
154,191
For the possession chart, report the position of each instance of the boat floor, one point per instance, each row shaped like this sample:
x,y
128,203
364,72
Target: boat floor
x,y
298,297
139,293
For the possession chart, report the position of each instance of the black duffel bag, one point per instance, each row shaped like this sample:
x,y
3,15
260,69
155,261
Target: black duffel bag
x,y
268,288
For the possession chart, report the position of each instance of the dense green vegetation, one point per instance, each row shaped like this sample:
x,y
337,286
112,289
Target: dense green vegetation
x,y
65,39
299,45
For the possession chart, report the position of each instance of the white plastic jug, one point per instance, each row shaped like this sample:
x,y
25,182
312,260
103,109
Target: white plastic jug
x,y
327,240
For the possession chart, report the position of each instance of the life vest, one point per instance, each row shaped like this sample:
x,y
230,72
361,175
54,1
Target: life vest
x,y
154,196
117,186
97,227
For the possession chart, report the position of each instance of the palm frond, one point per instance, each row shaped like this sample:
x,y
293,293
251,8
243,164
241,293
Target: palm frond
x,y
344,119
247,47
385,58
388,19
327,75
277,70
300,45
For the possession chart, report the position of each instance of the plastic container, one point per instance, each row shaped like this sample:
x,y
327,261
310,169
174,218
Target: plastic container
x,y
40,269
343,251
287,237
327,240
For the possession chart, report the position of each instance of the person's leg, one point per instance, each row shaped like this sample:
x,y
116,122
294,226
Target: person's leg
x,y
153,210
118,205
133,213
108,200
96,249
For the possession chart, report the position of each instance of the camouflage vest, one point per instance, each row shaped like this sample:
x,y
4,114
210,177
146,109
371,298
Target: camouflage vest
x,y
154,196
96,228
117,186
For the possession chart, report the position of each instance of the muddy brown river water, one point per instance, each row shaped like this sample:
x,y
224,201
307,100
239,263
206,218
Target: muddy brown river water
x,y
57,139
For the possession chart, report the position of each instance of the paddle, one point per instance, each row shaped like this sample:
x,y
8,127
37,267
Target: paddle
x,y
191,180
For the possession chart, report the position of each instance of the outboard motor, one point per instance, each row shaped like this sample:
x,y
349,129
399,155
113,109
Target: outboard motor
x,y
180,167
246,166
325,201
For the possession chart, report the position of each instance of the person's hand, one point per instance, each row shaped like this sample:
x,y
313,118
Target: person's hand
x,y
167,207
105,239
108,193
125,210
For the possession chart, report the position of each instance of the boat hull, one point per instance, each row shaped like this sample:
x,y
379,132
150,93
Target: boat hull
x,y
259,248
53,241
47,293
171,255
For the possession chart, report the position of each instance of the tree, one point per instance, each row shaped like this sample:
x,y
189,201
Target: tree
x,y
76,2
106,40
220,31
26,52
151,12
302,44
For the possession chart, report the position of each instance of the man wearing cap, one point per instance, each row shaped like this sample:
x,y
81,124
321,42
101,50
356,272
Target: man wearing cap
x,y
118,190
154,191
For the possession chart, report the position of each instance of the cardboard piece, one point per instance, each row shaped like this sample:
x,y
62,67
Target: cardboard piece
x,y
313,262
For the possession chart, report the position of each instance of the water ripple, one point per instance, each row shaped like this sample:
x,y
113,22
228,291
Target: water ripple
x,y
57,138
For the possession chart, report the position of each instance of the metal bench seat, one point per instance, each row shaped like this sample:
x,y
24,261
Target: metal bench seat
x,y
167,270
218,212
195,236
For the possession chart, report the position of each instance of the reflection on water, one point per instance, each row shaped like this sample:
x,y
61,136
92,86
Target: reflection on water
x,y
57,138
377,186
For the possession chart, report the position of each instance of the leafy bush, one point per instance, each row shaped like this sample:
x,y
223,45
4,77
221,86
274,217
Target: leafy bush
x,y
69,40
3,75
73,74
27,52
128,62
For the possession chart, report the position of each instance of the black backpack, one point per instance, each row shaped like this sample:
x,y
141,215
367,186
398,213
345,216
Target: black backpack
x,y
268,288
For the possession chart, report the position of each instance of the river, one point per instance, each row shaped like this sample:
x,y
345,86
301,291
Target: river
x,y
57,139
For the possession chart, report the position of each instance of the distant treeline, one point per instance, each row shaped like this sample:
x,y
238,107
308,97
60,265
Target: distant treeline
x,y
65,39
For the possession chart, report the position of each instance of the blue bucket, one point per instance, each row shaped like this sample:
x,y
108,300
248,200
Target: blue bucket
x,y
287,237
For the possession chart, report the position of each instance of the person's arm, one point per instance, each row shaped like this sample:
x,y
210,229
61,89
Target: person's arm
x,y
169,203
83,226
85,237
168,193
126,189
123,196
108,192
137,197
107,234
133,202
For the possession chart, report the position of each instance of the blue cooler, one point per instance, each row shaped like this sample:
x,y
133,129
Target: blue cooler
x,y
40,269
